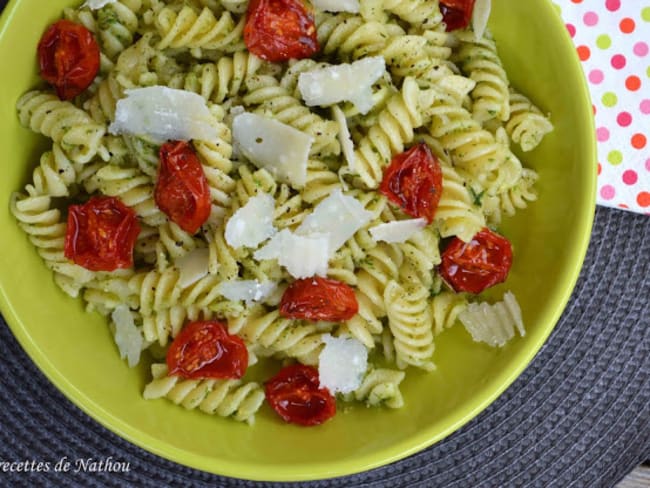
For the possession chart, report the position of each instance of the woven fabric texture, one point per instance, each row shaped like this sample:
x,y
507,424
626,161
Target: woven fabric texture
x,y
578,416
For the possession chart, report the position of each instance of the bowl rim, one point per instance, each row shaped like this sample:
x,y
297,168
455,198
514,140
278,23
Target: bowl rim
x,y
319,471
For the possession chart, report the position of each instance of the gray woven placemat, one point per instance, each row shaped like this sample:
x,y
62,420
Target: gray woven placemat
x,y
578,416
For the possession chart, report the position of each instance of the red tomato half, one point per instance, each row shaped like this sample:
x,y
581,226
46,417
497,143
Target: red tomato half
x,y
414,182
476,265
182,190
204,349
68,57
279,30
319,299
295,394
457,14
101,234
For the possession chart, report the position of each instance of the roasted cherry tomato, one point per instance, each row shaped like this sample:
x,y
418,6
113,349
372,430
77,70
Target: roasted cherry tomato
x,y
413,180
101,234
279,30
457,14
478,264
68,57
204,349
296,395
319,299
182,190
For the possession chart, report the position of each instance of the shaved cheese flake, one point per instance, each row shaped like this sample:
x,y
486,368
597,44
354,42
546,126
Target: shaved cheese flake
x,y
274,146
249,291
128,337
342,364
193,266
342,82
345,138
302,256
338,216
351,6
252,224
493,324
97,4
163,114
480,17
398,231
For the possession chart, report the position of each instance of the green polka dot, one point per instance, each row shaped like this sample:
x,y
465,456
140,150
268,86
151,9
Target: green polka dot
x,y
645,14
615,157
604,41
610,99
647,72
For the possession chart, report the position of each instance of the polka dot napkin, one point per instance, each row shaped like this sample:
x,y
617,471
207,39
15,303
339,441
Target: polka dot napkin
x,y
612,38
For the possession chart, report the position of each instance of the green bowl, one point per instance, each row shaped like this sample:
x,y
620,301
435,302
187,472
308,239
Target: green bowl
x,y
76,352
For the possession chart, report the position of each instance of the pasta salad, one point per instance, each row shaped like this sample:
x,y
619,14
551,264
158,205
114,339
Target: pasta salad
x,y
316,183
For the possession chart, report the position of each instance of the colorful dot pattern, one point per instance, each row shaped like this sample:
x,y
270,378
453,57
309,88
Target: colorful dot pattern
x,y
612,39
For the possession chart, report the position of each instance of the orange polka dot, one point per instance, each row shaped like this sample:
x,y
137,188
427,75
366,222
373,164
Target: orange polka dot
x,y
622,205
600,168
643,199
639,141
633,83
576,1
627,25
583,53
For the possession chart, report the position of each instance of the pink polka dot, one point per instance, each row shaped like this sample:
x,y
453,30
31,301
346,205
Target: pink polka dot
x,y
630,177
596,76
618,61
645,106
590,19
647,164
613,5
608,192
572,29
602,133
641,49
624,119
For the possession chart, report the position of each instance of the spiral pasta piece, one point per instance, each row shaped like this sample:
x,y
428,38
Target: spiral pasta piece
x,y
280,336
107,291
472,149
268,98
321,181
527,125
78,135
157,290
45,230
421,252
365,325
173,242
419,13
226,398
395,128
479,60
457,214
135,189
350,37
54,174
445,308
381,387
409,320
190,29
165,325
381,265
225,78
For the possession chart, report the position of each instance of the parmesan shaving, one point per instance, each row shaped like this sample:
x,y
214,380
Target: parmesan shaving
x,y
342,364
252,224
163,114
398,231
302,255
338,216
274,146
342,82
